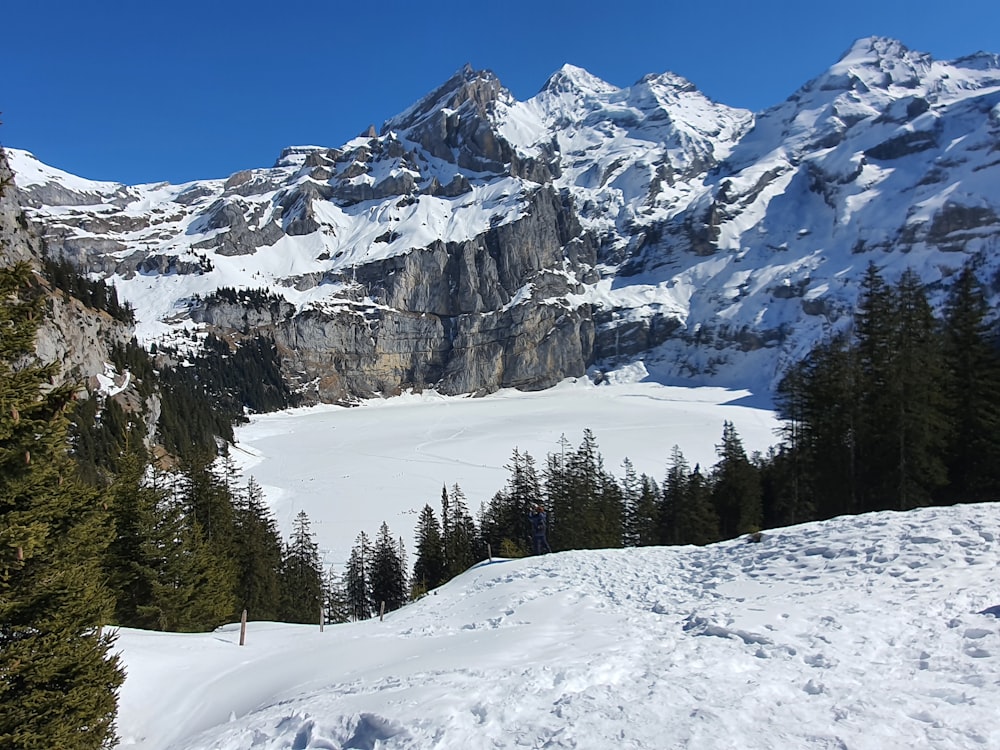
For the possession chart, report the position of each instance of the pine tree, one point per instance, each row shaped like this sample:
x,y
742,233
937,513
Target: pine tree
x,y
58,681
687,515
388,581
132,560
338,603
357,578
631,492
736,491
459,532
874,331
301,575
586,501
922,425
209,530
972,394
646,519
640,508
429,570
259,556
820,401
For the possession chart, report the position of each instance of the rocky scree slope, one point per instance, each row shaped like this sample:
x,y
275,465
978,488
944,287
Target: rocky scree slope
x,y
477,242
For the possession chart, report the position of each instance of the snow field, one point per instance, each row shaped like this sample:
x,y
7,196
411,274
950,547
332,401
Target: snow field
x,y
351,469
859,632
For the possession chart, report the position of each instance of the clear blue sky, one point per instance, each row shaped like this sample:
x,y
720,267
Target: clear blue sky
x,y
151,91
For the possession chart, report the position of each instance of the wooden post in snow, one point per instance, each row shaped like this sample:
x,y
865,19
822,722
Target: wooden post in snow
x,y
489,552
243,628
381,613
321,618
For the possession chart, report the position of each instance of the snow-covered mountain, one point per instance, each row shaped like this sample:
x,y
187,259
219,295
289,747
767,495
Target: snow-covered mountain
x,y
863,632
477,242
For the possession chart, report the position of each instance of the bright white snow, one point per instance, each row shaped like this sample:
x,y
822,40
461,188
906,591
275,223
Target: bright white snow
x,y
351,469
859,633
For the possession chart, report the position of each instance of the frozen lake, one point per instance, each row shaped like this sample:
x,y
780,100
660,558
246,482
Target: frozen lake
x,y
351,469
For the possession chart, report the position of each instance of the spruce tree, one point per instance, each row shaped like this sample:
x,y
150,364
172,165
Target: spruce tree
x,y
388,581
258,556
459,532
918,375
429,569
736,491
357,579
972,394
646,520
58,680
301,575
338,603
820,401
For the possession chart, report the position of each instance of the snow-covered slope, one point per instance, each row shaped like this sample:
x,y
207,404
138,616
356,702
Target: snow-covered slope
x,y
478,242
860,632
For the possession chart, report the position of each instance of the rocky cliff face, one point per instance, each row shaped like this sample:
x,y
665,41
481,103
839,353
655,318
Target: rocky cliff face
x,y
477,242
77,337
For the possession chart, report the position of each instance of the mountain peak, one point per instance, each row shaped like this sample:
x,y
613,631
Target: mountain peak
x,y
572,79
468,87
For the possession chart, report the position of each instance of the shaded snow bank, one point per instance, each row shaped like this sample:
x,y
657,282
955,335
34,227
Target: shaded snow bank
x,y
859,632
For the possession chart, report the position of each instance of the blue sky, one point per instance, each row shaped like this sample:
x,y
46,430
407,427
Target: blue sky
x,y
146,92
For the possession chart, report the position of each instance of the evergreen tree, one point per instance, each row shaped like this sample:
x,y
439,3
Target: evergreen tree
x,y
687,515
338,603
585,500
133,560
429,570
503,522
783,501
918,374
736,491
646,519
209,521
819,399
301,575
259,556
388,581
972,394
640,508
699,520
561,503
357,578
631,489
459,533
58,680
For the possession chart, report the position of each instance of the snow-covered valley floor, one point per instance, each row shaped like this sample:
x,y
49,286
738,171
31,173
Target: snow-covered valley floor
x,y
859,632
350,469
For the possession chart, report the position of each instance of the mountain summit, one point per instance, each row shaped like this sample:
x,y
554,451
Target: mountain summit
x,y
477,242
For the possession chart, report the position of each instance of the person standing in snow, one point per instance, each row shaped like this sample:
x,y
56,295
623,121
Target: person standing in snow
x,y
538,519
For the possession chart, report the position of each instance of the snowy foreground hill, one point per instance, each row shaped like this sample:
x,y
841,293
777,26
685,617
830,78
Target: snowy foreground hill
x,y
859,632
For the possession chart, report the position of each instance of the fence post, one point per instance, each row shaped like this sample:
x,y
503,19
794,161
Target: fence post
x,y
381,613
321,618
489,552
243,628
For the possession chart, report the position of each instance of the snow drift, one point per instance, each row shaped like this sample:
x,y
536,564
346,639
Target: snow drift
x,y
861,632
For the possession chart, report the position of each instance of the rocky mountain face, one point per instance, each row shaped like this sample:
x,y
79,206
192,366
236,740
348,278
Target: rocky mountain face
x,y
477,242
73,334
